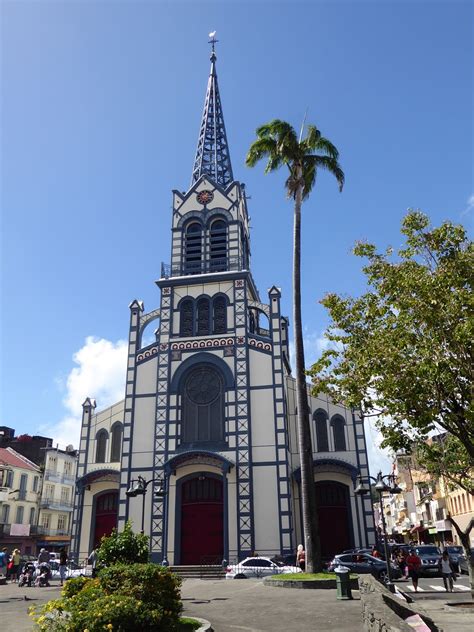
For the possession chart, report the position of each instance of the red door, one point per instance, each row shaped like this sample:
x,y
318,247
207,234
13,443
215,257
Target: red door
x,y
202,520
332,501
105,516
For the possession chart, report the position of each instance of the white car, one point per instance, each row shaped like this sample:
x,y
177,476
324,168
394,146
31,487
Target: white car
x,y
258,567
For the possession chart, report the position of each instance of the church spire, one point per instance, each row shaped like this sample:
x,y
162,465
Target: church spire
x,y
212,154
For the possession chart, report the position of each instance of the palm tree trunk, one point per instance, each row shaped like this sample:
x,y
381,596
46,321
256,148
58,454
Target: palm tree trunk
x,y
307,491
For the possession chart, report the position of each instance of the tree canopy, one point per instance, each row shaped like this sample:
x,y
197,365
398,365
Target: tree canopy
x,y
404,350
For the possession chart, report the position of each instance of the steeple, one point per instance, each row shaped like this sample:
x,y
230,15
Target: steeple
x,y
212,154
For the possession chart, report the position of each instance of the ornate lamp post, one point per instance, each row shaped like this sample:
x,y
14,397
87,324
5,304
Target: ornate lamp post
x,y
383,484
138,487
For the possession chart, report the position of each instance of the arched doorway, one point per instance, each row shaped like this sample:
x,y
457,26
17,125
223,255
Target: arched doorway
x,y
106,511
335,529
202,519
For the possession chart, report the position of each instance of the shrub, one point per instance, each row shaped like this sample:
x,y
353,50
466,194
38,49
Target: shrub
x,y
124,547
148,583
122,598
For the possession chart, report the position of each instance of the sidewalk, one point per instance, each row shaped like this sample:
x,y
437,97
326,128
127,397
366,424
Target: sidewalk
x,y
246,605
231,606
14,604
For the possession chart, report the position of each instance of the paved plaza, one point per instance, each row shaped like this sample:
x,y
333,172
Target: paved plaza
x,y
249,606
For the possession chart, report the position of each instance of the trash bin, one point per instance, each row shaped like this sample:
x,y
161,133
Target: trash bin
x,y
343,582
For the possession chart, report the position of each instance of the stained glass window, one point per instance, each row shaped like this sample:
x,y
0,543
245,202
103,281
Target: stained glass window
x,y
320,417
203,406
101,441
338,425
186,318
116,448
203,317
220,315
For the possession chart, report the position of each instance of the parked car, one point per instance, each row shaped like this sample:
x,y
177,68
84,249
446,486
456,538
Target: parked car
x,y
368,551
430,557
365,564
258,567
464,562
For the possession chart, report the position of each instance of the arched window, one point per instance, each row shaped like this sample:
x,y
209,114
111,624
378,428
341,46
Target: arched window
x,y
203,317
101,446
186,317
202,419
320,418
219,305
193,249
338,425
116,447
218,246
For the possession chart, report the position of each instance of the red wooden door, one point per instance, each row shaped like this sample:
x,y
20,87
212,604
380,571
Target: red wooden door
x,y
105,516
332,500
202,520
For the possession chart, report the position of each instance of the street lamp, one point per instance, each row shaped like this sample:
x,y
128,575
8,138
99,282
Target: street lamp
x,y
383,484
138,487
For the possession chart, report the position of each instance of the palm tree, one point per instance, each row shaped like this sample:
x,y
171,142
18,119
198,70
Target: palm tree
x,y
277,142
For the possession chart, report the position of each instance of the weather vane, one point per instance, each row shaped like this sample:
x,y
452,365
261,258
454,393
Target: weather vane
x,y
213,40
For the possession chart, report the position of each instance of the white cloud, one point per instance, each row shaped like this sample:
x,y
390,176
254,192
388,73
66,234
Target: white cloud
x,y
100,375
469,207
379,459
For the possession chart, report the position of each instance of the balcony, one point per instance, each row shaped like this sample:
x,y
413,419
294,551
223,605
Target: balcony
x,y
56,503
52,532
228,264
59,477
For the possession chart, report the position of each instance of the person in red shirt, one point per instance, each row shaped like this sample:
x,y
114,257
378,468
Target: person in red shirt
x,y
413,563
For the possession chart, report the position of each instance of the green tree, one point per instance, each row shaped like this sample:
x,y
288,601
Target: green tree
x,y
123,547
278,143
403,351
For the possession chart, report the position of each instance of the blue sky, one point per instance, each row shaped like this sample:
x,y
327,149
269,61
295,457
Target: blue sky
x,y
100,107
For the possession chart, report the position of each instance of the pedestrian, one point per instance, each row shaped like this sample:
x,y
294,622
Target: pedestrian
x,y
43,556
413,564
301,557
402,561
15,562
447,571
92,559
62,564
4,559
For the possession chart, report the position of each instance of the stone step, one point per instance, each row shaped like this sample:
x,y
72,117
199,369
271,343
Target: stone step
x,y
199,572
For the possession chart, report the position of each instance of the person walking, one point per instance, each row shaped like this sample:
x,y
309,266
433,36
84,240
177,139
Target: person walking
x,y
92,559
447,571
301,557
44,556
402,561
4,559
63,559
15,562
413,564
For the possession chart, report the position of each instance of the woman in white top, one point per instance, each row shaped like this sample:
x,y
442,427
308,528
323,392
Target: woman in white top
x,y
447,572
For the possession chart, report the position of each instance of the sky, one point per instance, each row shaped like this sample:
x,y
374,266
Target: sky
x,y
100,111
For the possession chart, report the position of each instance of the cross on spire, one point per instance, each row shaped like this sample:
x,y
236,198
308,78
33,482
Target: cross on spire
x,y
212,154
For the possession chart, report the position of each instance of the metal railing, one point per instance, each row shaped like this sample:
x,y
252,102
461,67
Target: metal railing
x,y
57,503
201,267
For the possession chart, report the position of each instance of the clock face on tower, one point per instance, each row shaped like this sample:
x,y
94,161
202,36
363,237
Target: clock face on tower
x,y
204,197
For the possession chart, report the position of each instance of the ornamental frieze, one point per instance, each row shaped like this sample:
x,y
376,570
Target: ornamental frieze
x,y
258,344
202,344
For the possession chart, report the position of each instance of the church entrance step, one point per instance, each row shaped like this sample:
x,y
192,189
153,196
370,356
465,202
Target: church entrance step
x,y
199,572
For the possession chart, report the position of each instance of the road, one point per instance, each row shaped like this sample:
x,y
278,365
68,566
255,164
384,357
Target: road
x,y
433,588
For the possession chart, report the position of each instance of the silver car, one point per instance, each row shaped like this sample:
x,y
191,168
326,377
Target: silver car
x,y
258,567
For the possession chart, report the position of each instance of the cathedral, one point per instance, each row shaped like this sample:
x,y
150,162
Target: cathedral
x,y
202,452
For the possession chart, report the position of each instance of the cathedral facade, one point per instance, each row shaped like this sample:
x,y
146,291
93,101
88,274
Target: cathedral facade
x,y
205,441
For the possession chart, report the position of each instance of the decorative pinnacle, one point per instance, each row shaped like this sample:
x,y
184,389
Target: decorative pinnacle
x,y
213,41
212,154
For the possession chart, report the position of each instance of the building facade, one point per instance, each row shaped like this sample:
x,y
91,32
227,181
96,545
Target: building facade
x,y
20,489
57,496
208,419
